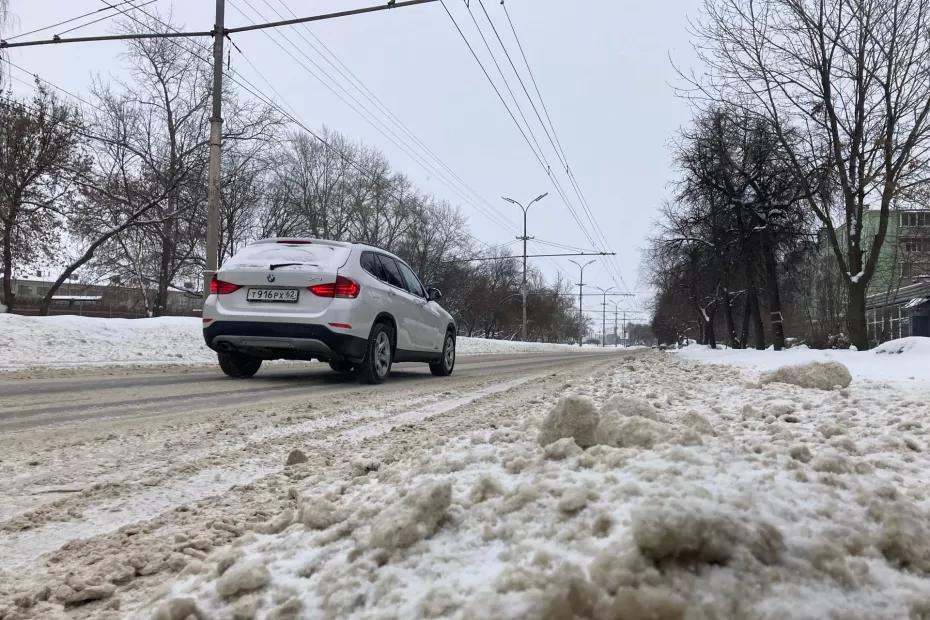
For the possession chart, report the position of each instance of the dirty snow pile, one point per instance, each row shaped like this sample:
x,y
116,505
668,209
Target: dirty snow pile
x,y
658,489
76,341
905,362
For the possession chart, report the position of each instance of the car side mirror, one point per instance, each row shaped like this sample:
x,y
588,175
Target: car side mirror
x,y
433,294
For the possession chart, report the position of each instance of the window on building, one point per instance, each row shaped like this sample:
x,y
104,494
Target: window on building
x,y
915,218
24,291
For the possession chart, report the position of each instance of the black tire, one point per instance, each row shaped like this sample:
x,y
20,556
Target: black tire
x,y
341,366
445,366
238,365
379,356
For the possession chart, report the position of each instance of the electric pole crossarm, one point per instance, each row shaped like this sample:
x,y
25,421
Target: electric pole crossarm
x,y
487,258
211,33
314,18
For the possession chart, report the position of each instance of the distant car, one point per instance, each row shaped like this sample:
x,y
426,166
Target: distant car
x,y
354,306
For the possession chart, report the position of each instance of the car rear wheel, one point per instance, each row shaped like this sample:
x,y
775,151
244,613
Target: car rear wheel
x,y
444,367
341,366
376,366
239,365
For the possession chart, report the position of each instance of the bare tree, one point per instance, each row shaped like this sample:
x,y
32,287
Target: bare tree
x,y
846,87
40,155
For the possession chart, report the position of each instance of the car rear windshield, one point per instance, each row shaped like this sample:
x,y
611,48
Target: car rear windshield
x,y
262,255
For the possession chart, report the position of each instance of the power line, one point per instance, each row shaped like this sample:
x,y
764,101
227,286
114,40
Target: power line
x,y
250,88
538,156
105,17
210,33
490,258
558,143
371,118
379,105
72,19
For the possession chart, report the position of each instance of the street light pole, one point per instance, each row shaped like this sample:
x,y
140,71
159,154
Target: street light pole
x,y
580,298
604,315
524,238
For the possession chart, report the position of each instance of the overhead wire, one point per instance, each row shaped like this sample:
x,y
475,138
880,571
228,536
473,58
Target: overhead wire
x,y
250,88
602,245
72,19
513,117
105,17
340,67
558,142
554,138
371,118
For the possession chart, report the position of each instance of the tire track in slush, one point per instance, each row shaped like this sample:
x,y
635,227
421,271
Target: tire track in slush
x,y
20,549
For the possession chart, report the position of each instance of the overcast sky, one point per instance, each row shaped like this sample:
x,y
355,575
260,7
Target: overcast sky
x,y
603,67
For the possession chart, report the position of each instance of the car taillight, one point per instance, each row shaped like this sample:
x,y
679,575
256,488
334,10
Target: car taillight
x,y
343,287
294,242
220,287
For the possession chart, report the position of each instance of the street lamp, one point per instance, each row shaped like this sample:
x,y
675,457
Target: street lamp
x,y
580,299
525,238
604,315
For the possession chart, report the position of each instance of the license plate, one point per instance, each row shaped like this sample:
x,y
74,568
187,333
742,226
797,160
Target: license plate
x,y
280,295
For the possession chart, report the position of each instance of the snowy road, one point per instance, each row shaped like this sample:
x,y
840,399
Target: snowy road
x,y
88,455
29,401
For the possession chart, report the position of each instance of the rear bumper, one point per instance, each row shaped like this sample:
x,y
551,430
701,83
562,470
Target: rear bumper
x,y
283,340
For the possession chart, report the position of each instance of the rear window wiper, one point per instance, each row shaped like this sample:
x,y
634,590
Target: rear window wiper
x,y
278,265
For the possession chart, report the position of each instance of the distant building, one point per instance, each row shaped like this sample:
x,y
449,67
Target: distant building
x,y
905,254
106,300
898,297
901,313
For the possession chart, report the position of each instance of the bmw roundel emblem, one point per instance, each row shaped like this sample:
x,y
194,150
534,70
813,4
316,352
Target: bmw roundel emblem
x,y
270,277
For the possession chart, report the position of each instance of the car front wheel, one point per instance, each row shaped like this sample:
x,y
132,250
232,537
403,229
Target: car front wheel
x,y
376,366
238,365
444,367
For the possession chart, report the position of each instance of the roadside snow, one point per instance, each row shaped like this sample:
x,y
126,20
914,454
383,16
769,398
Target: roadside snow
x,y
904,362
703,495
76,341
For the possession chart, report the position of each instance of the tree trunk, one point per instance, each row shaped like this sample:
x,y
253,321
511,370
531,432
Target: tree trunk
x,y
756,319
164,267
709,335
732,342
9,297
855,315
771,281
744,331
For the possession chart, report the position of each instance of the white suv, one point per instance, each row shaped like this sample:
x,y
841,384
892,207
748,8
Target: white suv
x,y
355,306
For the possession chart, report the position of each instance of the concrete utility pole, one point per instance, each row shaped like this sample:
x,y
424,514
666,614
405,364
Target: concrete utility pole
x,y
216,141
604,291
524,238
580,298
616,311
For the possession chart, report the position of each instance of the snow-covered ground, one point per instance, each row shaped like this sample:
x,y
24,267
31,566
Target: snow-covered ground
x,y
902,362
697,495
645,486
76,341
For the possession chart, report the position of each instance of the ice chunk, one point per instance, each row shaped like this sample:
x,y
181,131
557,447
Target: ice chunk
x,y
573,416
815,375
412,518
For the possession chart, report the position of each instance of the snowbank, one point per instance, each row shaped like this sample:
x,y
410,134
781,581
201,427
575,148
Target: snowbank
x,y
774,502
74,341
904,362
